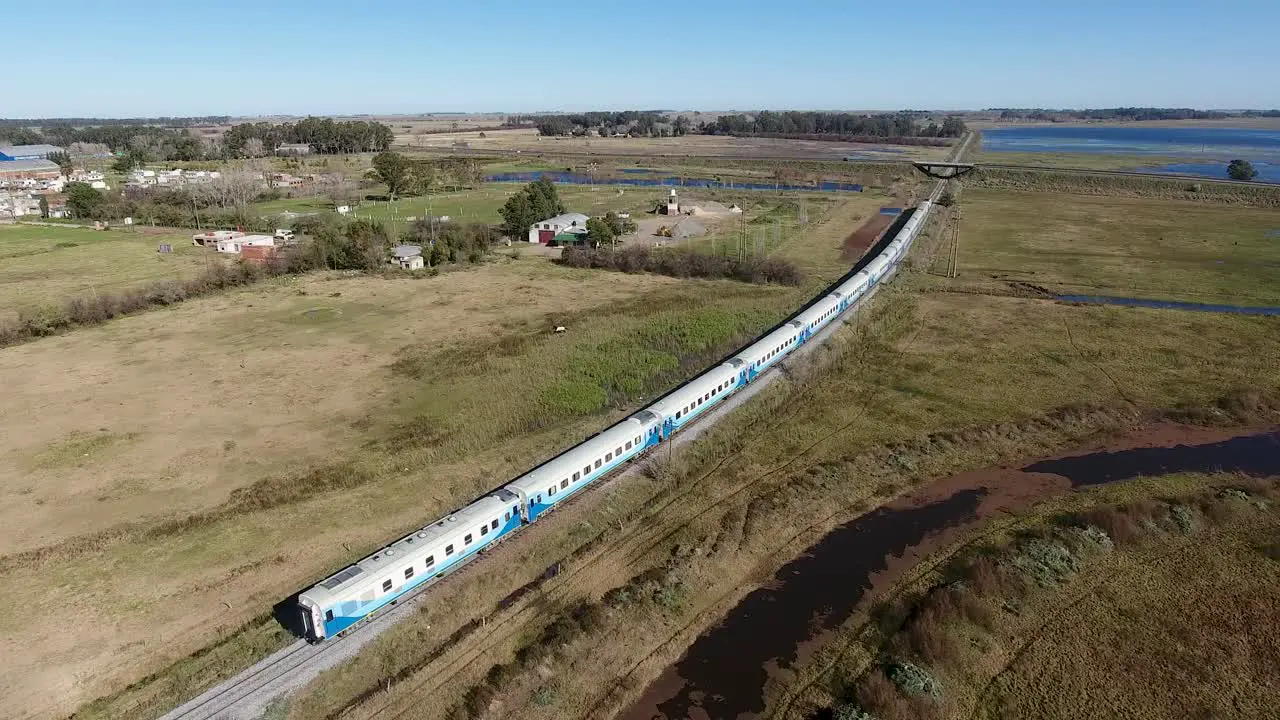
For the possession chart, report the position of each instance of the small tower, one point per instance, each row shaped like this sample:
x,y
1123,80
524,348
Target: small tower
x,y
673,203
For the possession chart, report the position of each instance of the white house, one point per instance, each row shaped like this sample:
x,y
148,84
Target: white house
x,y
566,227
409,257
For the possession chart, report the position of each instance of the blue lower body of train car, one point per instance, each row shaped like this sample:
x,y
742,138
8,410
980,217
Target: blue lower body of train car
x,y
349,613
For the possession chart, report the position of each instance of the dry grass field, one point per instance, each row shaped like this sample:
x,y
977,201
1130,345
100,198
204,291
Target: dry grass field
x,y
165,463
1184,627
1132,247
528,141
40,265
1164,608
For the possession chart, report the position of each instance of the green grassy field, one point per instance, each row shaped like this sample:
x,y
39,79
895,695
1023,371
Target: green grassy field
x,y
42,265
1138,247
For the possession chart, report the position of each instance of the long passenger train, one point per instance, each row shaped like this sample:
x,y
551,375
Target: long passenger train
x,y
346,598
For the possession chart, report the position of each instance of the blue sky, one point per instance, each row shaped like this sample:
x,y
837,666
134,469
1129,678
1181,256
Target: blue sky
x,y
176,57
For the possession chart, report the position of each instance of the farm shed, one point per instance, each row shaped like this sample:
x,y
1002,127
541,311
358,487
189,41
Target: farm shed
x,y
29,169
10,153
568,227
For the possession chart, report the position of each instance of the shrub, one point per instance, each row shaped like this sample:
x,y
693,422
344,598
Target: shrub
x,y
544,696
849,711
683,264
914,680
1046,561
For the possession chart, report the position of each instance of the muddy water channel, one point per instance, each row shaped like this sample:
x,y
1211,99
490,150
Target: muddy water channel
x,y
727,670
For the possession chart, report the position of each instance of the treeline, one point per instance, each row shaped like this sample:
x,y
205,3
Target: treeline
x,y
330,243
1135,114
683,263
112,132
142,143
635,123
336,243
896,125
101,307
324,135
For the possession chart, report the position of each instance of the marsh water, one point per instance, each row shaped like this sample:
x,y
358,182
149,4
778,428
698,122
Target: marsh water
x,y
1199,151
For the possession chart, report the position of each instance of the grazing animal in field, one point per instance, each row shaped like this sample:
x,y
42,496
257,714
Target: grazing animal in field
x,y
560,329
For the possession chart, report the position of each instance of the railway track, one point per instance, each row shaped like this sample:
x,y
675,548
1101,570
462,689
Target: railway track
x,y
249,693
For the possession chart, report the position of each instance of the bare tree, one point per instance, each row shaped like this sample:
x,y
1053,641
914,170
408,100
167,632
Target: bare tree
x,y
340,190
234,189
253,147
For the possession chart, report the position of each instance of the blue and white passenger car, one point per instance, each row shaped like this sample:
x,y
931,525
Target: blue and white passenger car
x,y
682,405
555,480
378,580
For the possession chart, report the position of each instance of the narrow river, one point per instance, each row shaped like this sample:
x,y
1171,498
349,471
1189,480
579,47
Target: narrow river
x,y
728,670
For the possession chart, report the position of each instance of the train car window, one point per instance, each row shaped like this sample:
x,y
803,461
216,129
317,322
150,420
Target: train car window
x,y
328,616
484,529
408,573
466,539
586,470
448,549
637,439
506,516
577,477
628,446
618,451
494,524
551,490
386,586
599,463
515,510
431,560
608,457
564,483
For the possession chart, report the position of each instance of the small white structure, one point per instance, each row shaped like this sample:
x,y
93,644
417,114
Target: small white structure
x,y
558,227
409,257
344,209
735,209
673,203
283,235
233,245
213,236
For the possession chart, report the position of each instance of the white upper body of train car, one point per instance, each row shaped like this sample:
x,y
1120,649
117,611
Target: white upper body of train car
x,y
555,480
682,405
348,596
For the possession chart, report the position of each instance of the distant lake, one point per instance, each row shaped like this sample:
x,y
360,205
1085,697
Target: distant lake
x,y
1203,151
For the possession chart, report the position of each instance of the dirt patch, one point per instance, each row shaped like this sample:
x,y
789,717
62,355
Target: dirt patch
x,y
777,628
865,236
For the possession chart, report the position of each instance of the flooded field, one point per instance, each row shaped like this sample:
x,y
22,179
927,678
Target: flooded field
x,y
728,670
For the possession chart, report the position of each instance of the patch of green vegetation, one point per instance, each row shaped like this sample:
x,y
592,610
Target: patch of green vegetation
x,y
40,265
79,448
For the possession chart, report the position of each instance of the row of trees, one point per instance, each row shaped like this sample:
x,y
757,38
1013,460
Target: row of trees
x,y
404,175
323,135
903,124
1122,113
636,123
